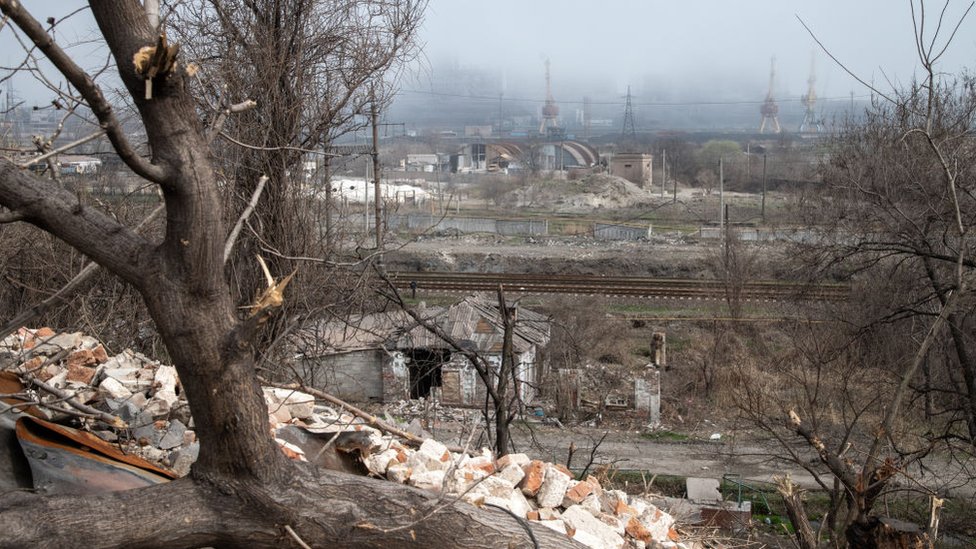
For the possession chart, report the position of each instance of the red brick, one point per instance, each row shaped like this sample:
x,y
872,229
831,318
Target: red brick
x,y
82,357
99,354
637,530
486,467
579,492
80,374
34,363
532,515
534,475
622,509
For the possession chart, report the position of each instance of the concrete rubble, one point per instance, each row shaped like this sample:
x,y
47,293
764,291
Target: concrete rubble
x,y
147,396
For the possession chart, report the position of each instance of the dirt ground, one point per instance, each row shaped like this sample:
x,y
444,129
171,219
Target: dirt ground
x,y
668,254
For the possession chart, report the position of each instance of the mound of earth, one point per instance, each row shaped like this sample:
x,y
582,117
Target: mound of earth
x,y
582,195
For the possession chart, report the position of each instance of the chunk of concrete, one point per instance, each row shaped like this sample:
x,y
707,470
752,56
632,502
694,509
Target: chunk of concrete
x,y
56,344
512,473
299,404
557,525
657,522
379,462
703,490
181,460
512,459
174,435
590,531
398,472
111,388
553,488
428,480
577,492
435,450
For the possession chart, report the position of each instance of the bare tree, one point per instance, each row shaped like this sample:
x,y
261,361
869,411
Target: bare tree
x,y
242,491
899,190
314,70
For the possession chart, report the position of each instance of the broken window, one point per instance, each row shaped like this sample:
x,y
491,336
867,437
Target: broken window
x,y
425,370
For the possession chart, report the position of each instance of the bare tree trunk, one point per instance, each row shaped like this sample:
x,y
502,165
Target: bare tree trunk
x,y
503,404
242,491
793,499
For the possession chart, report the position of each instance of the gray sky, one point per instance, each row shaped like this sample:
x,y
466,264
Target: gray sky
x,y
717,48
666,49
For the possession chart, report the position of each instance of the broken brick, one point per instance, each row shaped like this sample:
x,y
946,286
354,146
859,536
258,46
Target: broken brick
x,y
80,374
622,509
534,475
579,491
636,530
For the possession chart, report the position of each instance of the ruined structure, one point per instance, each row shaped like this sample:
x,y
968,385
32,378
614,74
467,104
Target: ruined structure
x,y
388,356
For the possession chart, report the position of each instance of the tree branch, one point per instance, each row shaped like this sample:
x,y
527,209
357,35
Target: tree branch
x,y
63,148
232,239
48,206
84,84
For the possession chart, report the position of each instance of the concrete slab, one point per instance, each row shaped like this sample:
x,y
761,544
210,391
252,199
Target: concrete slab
x,y
703,490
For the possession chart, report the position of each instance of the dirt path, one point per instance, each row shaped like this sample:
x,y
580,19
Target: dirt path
x,y
748,455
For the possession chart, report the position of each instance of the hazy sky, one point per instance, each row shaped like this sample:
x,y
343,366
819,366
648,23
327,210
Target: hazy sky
x,y
665,49
716,47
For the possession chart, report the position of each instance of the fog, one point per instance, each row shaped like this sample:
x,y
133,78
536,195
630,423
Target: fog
x,y
696,49
701,63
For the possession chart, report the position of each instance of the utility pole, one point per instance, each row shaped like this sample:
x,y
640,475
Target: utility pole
x,y
721,196
763,210
377,195
664,170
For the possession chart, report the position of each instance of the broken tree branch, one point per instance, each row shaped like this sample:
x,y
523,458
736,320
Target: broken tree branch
x,y
370,418
70,401
86,86
236,231
793,499
294,536
62,149
218,123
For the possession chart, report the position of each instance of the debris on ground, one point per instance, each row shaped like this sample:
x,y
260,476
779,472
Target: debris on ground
x,y
130,413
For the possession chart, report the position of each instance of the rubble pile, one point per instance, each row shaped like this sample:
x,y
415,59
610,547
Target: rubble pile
x,y
155,424
154,420
540,492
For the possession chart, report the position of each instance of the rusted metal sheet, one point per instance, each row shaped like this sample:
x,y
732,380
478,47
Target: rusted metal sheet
x,y
13,389
68,461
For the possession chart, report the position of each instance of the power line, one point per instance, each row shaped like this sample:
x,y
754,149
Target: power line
x,y
798,99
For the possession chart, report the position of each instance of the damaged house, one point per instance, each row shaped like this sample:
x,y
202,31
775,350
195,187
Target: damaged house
x,y
389,356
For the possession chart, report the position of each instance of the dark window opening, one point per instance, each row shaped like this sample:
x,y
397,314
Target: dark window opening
x,y
425,370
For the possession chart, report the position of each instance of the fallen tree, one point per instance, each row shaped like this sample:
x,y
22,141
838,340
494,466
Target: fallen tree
x,y
242,491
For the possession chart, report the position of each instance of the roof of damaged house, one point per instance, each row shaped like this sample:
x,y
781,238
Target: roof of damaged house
x,y
475,321
472,321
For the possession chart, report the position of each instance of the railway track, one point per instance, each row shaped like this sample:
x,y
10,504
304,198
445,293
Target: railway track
x,y
617,286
